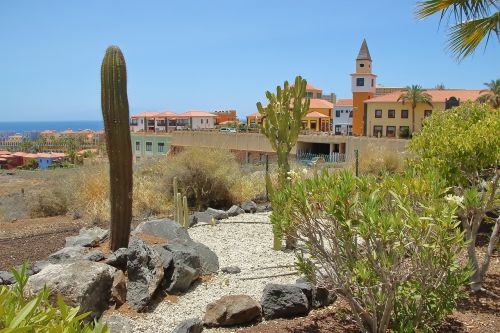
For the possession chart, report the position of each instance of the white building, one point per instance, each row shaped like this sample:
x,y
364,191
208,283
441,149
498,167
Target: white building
x,y
196,119
153,122
342,117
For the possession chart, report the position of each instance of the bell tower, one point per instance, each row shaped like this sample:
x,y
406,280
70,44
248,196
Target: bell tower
x,y
363,87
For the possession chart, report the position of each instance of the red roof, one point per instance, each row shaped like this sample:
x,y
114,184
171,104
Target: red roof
x,y
166,114
343,102
254,115
147,114
320,104
438,95
316,114
196,114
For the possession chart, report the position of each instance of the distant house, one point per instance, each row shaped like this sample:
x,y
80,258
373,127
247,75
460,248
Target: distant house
x,y
342,117
196,119
47,159
153,122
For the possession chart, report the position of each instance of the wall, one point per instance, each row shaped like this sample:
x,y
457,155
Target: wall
x,y
208,122
397,121
358,104
344,120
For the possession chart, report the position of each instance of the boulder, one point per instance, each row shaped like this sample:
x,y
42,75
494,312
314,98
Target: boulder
x,y
208,259
95,255
231,270
217,213
166,256
38,266
118,258
283,301
68,253
80,282
120,324
232,310
6,278
200,217
192,325
322,297
180,277
235,211
164,228
87,237
249,207
119,288
145,272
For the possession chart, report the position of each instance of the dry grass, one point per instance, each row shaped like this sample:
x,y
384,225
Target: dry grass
x,y
379,160
48,203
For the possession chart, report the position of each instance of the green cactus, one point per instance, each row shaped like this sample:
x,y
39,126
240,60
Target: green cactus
x,y
282,119
181,206
115,112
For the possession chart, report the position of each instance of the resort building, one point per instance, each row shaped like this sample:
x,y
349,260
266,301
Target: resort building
x,y
225,117
342,117
153,122
363,87
149,145
388,117
196,120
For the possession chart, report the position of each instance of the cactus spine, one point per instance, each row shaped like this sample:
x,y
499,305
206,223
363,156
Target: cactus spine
x,y
115,112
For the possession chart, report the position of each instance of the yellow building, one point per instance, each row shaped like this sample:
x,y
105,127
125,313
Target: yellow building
x,y
386,117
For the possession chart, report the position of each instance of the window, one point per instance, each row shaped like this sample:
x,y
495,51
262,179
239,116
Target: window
x,y
373,82
161,147
361,65
427,113
404,113
309,94
312,124
350,114
337,113
133,122
202,120
377,131
404,131
391,113
378,113
304,125
142,121
349,129
390,131
137,145
360,81
337,130
318,95
149,146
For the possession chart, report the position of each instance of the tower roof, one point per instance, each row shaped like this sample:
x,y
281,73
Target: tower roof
x,y
364,53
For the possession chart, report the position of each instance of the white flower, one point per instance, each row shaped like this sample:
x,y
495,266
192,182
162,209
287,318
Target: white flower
x,y
454,199
304,171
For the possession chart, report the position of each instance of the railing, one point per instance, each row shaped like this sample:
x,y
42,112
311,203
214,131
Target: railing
x,y
330,158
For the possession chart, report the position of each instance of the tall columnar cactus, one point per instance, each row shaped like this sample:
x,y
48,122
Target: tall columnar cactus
x,y
282,119
115,112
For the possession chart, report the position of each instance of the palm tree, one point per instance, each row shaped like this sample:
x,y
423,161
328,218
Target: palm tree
x,y
475,21
415,95
492,94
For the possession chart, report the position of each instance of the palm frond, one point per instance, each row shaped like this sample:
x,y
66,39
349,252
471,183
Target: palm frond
x,y
461,10
465,37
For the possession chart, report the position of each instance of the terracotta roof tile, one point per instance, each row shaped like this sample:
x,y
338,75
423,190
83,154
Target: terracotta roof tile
x,y
438,95
343,102
320,104
147,114
316,114
196,114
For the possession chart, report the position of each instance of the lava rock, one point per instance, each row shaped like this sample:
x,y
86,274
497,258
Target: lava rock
x,y
84,283
249,207
119,288
87,237
235,211
118,258
145,272
232,310
231,270
96,255
322,297
164,228
120,324
192,325
68,253
208,259
38,266
217,213
6,278
200,217
283,301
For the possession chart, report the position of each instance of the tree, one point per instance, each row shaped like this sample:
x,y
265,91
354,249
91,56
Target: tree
x,y
463,145
475,21
492,94
440,86
414,95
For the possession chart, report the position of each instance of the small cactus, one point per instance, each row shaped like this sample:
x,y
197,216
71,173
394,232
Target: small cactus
x,y
181,206
115,112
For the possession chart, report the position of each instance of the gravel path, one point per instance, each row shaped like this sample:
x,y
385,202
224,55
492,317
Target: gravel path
x,y
247,245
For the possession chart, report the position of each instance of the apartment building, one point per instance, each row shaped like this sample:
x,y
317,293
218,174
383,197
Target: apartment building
x,y
342,117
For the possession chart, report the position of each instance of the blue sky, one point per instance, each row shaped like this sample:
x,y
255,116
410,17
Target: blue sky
x,y
214,55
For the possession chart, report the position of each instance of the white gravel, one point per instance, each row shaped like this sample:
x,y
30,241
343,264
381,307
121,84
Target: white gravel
x,y
246,245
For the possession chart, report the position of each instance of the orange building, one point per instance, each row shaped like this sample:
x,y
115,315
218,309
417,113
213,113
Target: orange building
x,y
363,87
225,117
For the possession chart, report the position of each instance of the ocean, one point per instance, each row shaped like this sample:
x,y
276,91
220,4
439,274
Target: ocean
x,y
75,125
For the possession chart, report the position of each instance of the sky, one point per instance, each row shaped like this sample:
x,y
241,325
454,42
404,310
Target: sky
x,y
214,55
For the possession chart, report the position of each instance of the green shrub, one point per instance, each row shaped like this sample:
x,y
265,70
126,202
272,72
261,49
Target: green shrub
x,y
48,203
387,244
21,312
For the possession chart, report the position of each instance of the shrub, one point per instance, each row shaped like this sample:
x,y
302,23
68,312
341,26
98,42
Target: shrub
x,y
388,245
379,160
207,177
21,312
48,203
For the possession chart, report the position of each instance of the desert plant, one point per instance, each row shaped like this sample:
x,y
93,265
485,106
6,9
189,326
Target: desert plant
x,y
115,113
463,145
378,160
22,312
48,203
388,245
282,119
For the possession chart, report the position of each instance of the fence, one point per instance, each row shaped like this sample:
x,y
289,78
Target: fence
x,y
330,158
